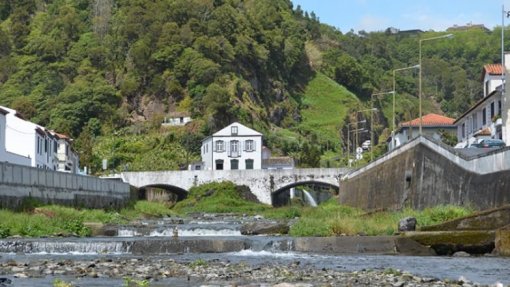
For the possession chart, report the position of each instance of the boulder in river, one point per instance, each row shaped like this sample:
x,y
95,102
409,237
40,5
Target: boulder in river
x,y
257,228
407,224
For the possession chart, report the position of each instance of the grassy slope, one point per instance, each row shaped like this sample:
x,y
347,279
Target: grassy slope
x,y
326,105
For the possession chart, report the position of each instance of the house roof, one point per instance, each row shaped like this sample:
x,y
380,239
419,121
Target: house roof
x,y
483,132
493,69
242,130
430,120
178,114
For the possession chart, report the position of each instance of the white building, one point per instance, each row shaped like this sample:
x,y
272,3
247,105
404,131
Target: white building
x,y
29,144
233,147
483,119
177,119
5,155
67,159
432,125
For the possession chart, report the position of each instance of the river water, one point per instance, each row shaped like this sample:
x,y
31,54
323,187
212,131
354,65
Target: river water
x,y
261,251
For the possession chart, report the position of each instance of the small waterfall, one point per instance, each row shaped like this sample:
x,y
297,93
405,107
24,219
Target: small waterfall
x,y
309,198
195,232
78,247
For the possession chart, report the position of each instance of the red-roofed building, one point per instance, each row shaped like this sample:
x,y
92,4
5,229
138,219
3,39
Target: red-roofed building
x,y
492,77
433,125
483,119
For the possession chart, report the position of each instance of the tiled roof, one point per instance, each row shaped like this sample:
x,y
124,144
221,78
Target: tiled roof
x,y
430,120
493,69
484,132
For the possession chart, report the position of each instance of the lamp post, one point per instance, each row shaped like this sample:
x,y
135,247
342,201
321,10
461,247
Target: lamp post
x,y
421,68
393,129
348,138
372,118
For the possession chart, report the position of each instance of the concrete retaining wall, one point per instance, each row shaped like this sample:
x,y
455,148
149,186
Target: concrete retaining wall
x,y
424,174
19,182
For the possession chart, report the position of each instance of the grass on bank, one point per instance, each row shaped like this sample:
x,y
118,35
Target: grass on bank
x,y
328,219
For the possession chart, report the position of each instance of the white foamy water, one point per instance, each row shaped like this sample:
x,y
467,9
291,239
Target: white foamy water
x,y
196,232
127,233
265,253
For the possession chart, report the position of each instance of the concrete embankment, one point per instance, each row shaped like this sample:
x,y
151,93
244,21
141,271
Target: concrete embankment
x,y
424,174
17,183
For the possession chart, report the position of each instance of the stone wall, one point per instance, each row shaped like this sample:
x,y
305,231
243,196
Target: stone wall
x,y
20,182
262,182
424,174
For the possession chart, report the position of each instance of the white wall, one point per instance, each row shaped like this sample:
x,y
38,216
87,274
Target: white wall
x,y
490,83
207,154
233,133
180,121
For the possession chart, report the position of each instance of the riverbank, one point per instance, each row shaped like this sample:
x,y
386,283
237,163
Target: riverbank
x,y
213,272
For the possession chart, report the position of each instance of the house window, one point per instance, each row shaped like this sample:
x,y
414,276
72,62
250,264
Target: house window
x,y
463,130
220,146
486,88
234,164
234,130
219,164
234,148
484,116
46,146
249,163
474,121
249,145
492,110
499,108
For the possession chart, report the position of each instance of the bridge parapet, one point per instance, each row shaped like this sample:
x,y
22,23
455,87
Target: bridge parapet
x,y
261,182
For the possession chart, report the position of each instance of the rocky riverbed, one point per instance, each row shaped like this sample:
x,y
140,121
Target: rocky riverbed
x,y
216,273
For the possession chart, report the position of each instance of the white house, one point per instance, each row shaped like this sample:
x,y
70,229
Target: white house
x,y
5,155
29,144
67,159
432,125
177,119
234,147
483,119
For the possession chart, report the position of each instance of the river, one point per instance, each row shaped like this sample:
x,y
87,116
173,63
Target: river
x,y
45,259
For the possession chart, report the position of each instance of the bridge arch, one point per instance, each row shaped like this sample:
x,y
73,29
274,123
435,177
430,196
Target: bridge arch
x,y
162,192
319,190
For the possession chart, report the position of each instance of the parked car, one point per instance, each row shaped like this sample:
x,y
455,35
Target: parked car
x,y
488,143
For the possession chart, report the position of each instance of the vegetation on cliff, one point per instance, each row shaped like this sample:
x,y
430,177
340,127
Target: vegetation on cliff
x,y
95,69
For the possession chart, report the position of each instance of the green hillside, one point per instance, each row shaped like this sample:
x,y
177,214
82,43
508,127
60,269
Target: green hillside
x,y
106,72
325,106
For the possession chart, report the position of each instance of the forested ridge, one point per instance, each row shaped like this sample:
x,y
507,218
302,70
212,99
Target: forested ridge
x,y
107,71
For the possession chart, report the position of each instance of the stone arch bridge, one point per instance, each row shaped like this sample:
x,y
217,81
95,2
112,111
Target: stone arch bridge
x,y
263,183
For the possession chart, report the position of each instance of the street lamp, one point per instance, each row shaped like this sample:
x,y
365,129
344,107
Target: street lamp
x,y
348,138
394,92
372,119
421,68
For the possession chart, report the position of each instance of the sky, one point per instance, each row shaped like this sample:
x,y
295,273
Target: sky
x,y
377,15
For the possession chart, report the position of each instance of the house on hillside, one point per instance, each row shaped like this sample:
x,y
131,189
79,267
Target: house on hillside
x,y
433,125
467,27
177,119
483,119
234,147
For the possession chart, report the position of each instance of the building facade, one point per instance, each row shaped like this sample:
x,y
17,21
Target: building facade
x,y
235,147
484,119
433,125
26,143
